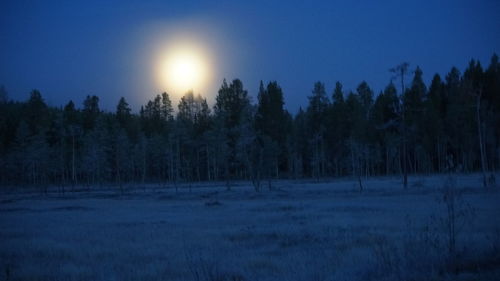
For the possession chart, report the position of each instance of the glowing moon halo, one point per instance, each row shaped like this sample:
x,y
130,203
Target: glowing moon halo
x,y
181,68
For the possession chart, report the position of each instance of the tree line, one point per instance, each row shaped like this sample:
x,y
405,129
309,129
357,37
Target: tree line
x,y
408,128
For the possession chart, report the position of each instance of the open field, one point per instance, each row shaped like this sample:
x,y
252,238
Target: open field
x,y
297,231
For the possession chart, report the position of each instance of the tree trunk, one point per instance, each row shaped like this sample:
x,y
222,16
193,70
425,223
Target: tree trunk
x,y
143,163
118,176
386,160
481,147
405,169
73,168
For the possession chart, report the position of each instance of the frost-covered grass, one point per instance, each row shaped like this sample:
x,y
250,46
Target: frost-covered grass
x,y
302,230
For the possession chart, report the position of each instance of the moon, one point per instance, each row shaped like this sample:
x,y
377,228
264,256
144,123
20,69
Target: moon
x,y
182,68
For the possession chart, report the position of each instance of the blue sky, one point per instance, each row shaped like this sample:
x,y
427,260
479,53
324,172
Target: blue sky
x,y
70,49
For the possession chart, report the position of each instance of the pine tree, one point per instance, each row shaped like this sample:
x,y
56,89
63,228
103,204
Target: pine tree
x,y
413,105
123,112
193,121
355,121
385,121
270,125
401,71
336,133
90,112
36,114
434,115
72,131
316,115
232,110
474,86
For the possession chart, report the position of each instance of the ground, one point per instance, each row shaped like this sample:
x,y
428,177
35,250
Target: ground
x,y
299,230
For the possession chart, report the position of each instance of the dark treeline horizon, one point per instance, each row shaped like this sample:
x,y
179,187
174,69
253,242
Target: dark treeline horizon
x,y
451,125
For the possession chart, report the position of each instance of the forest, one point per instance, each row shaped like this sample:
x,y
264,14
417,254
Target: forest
x,y
409,128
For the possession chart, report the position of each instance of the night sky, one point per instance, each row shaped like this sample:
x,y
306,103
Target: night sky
x,y
70,49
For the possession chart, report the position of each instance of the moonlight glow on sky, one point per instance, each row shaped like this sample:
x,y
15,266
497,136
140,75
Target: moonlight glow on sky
x,y
182,66
179,56
138,49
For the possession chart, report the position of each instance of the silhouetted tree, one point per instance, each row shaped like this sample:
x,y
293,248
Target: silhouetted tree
x,y
413,106
385,120
270,125
434,138
123,112
454,125
90,112
401,71
474,80
231,111
316,115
